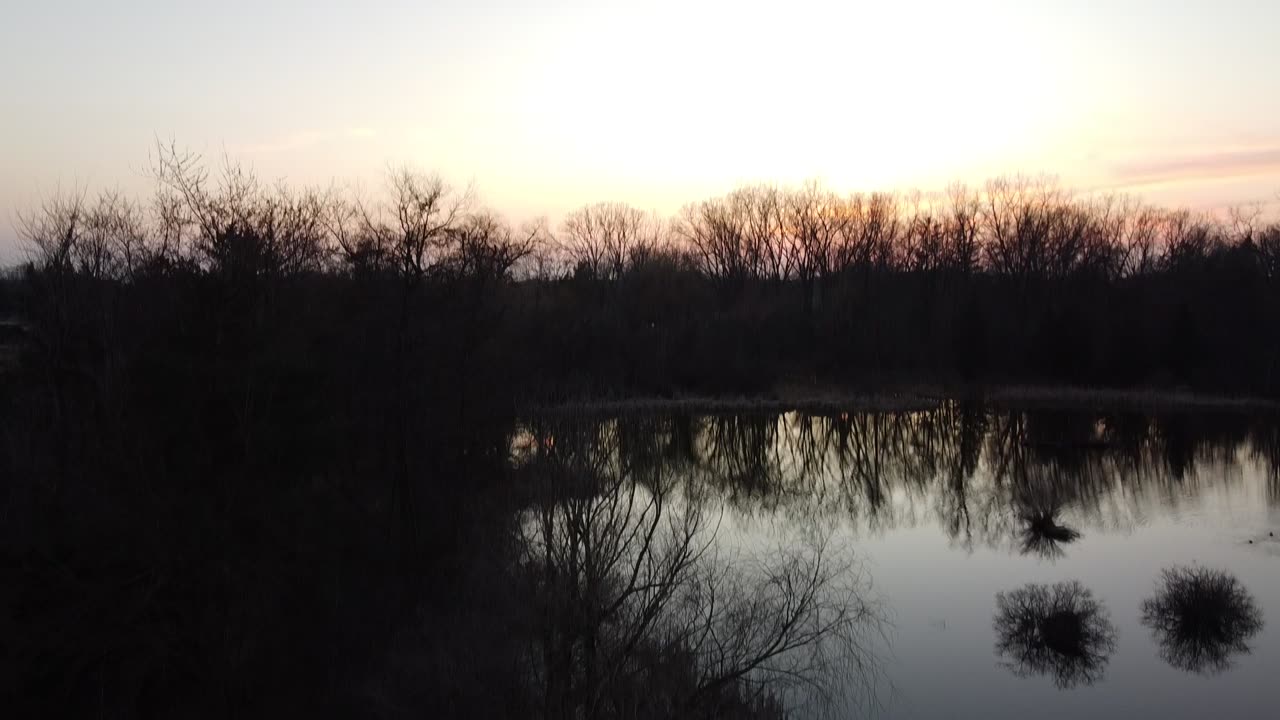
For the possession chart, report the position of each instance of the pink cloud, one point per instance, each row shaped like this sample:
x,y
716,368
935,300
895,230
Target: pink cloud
x,y
1218,165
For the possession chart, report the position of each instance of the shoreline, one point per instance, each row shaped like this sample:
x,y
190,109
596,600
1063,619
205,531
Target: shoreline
x,y
913,398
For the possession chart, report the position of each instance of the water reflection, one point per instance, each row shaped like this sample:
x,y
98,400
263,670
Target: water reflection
x,y
1060,631
1028,482
1039,500
636,610
1043,535
639,600
1201,618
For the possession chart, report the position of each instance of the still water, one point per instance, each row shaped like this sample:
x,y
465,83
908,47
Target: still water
x,y
1007,564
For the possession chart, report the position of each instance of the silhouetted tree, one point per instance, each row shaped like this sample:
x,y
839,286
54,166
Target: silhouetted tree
x,y
1201,618
1058,630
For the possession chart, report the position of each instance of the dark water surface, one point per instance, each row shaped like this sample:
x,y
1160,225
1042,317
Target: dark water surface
x,y
1019,564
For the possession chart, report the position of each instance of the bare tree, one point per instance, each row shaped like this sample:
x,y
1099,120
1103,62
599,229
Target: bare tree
x,y
1188,240
232,223
815,222
715,232
423,212
870,236
924,237
483,247
963,242
606,239
54,231
354,239
107,238
1245,222
1020,215
124,224
541,261
1135,232
767,247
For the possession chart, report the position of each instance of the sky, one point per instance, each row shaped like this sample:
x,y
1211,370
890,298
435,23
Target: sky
x,y
546,106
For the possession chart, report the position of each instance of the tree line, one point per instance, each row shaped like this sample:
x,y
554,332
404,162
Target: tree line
x,y
1019,227
1016,280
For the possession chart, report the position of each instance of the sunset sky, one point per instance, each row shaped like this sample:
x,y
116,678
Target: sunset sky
x,y
549,105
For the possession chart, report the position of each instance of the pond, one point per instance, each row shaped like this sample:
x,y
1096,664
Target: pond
x,y
991,563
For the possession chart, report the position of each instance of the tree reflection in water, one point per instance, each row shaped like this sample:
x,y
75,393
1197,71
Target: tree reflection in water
x,y
1057,630
1038,507
634,596
1043,535
1030,482
635,610
1201,618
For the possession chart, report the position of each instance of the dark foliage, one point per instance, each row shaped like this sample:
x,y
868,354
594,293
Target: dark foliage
x,y
1043,535
1060,631
1201,618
